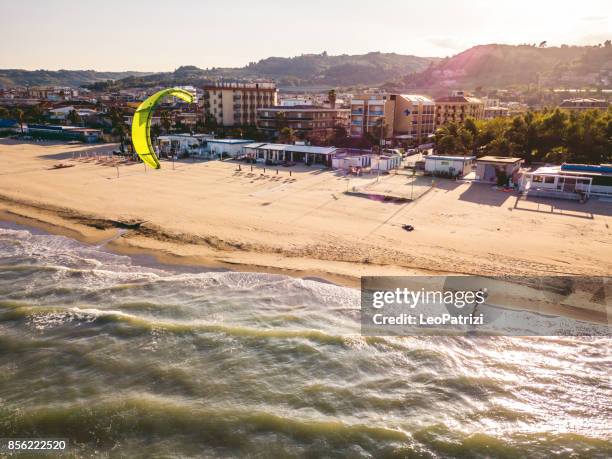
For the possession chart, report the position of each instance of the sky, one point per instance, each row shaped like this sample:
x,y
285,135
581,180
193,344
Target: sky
x,y
154,35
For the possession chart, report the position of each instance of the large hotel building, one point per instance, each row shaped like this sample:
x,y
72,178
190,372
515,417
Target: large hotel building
x,y
458,108
235,104
404,116
303,119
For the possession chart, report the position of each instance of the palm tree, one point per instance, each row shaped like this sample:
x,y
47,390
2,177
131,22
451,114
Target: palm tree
x,y
287,135
453,138
378,132
470,126
210,123
331,95
34,114
281,120
165,121
155,131
118,126
74,117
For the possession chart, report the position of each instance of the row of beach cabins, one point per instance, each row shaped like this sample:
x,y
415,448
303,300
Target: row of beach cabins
x,y
276,153
570,181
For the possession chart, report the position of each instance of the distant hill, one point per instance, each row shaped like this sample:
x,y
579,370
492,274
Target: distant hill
x,y
500,66
487,66
305,70
343,70
73,78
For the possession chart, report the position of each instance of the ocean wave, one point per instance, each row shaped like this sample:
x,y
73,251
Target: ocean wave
x,y
107,423
42,317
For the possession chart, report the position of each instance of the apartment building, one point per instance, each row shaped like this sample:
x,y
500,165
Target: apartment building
x,y
495,112
584,104
235,104
458,108
305,120
62,113
53,93
404,116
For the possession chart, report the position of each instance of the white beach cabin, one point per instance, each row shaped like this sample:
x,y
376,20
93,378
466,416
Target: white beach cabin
x,y
569,181
452,166
218,148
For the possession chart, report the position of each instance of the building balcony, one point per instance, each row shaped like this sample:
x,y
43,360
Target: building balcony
x,y
301,122
376,112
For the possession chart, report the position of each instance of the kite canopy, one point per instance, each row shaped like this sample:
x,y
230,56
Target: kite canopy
x,y
141,124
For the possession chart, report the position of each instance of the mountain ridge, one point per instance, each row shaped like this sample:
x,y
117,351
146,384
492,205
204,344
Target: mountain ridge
x,y
497,65
62,77
306,69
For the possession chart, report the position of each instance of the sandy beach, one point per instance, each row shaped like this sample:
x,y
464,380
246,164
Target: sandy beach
x,y
303,224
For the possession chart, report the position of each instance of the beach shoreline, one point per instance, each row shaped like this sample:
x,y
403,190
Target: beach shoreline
x,y
121,241
107,239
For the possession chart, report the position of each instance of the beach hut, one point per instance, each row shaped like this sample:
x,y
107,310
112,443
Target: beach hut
x,y
490,168
448,166
386,161
218,148
352,159
179,144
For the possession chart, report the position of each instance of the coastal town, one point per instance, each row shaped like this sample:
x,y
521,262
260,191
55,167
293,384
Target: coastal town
x,y
334,183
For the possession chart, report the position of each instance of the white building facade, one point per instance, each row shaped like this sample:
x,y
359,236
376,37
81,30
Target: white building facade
x,y
452,166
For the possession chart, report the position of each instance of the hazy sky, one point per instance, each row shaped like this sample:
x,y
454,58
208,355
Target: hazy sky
x,y
158,35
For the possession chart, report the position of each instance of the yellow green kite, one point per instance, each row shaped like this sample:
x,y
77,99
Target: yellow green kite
x,y
141,124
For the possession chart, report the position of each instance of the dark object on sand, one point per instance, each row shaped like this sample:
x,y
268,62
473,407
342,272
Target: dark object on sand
x,y
408,227
62,166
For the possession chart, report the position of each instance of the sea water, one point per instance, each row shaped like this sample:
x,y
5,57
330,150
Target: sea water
x,y
127,360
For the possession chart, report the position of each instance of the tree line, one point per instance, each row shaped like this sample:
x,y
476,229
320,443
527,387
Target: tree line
x,y
549,136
